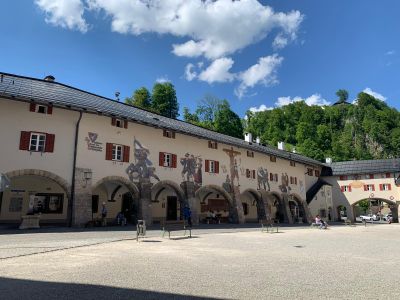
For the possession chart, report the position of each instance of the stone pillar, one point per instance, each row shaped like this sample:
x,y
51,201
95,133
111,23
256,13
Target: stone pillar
x,y
307,211
238,217
286,208
189,189
266,204
144,212
82,203
395,212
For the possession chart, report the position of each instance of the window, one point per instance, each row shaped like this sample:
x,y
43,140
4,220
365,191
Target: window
x,y
272,158
251,174
37,142
119,123
15,204
343,177
212,145
292,163
116,152
245,208
167,160
41,109
385,187
369,176
309,172
276,177
48,203
369,187
346,188
271,177
388,175
250,153
293,180
169,134
212,166
317,173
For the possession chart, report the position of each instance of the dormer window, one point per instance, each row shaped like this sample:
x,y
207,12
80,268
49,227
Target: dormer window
x,y
41,108
212,145
250,153
119,123
168,134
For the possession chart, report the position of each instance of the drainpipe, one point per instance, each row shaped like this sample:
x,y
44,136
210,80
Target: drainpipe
x,y
72,198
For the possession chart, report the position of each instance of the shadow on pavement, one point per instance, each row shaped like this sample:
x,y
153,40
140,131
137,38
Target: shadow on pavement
x,y
28,289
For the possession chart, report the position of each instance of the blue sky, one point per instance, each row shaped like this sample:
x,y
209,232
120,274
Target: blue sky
x,y
253,53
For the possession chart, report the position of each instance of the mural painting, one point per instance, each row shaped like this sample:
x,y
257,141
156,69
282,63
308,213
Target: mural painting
x,y
285,188
262,178
143,167
192,169
234,167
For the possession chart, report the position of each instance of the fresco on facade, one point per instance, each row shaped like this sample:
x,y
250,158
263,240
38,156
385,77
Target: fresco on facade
x,y
285,188
192,168
227,185
233,166
302,189
143,166
262,179
224,169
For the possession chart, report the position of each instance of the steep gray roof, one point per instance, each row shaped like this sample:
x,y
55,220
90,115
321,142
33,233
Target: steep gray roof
x,y
60,95
366,166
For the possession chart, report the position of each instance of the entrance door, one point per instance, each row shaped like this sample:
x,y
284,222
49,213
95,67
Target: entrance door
x,y
128,208
172,207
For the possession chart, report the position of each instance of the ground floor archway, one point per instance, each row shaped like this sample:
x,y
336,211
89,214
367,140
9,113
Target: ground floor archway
x,y
35,191
119,195
253,205
278,210
297,209
379,207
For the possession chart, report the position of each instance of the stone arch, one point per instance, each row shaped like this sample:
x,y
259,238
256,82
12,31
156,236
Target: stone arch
x,y
42,173
257,197
161,185
394,207
234,204
133,189
278,207
304,213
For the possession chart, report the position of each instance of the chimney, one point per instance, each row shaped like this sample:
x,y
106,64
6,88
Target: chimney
x,y
294,150
50,78
328,160
281,145
258,140
248,137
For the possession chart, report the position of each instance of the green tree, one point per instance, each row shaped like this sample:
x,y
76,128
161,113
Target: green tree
x,y
364,205
343,95
164,100
228,122
140,98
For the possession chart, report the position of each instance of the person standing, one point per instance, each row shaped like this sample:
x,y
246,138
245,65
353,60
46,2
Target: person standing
x,y
187,214
104,215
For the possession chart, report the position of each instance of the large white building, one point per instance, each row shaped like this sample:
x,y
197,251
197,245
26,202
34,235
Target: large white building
x,y
68,151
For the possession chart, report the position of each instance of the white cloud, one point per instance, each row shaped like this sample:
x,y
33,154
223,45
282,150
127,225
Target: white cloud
x,y
391,52
218,71
189,73
315,99
213,29
163,79
64,13
262,107
263,72
374,94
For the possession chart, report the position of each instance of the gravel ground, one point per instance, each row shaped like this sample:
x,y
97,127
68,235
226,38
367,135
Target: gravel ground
x,y
298,263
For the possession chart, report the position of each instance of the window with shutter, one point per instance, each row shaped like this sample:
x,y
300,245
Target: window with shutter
x,y
109,150
217,167
174,160
254,174
126,153
37,142
207,165
50,138
271,177
24,140
161,159
32,107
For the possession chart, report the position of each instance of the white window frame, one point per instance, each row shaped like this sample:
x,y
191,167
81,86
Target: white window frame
x,y
167,160
211,166
346,188
168,133
39,147
385,187
118,150
119,123
370,188
213,145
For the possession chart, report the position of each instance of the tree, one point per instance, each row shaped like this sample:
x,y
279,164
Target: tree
x,y
164,100
343,95
364,205
140,98
228,122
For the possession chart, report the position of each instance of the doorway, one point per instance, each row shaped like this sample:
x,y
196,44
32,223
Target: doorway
x,y
172,208
128,208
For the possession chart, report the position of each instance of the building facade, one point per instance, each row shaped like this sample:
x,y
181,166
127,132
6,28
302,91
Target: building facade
x,y
65,152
